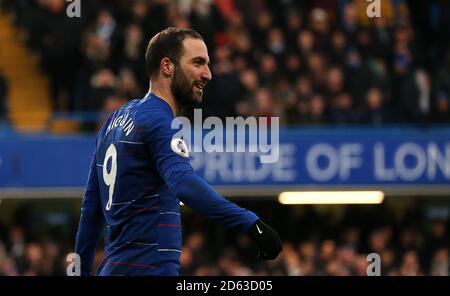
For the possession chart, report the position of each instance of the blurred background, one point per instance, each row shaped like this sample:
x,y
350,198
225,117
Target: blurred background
x,y
363,104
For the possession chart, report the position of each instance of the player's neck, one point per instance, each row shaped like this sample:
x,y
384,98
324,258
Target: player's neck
x,y
164,92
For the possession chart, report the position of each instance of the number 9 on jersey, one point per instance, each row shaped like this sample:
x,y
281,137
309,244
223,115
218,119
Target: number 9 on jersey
x,y
110,177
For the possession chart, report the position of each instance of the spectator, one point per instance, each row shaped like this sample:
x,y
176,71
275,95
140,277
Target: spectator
x,y
342,110
374,112
316,114
441,110
59,48
440,265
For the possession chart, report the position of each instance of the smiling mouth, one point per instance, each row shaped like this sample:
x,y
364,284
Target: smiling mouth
x,y
200,85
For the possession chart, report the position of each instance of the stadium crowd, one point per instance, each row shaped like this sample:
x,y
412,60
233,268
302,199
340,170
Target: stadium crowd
x,y
409,242
308,62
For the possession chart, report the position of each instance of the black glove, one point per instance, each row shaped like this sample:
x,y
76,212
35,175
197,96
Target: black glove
x,y
267,239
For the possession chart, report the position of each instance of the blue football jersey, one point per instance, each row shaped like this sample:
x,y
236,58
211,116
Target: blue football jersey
x,y
138,175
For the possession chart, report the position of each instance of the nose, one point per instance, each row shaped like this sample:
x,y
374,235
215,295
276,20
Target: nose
x,y
206,75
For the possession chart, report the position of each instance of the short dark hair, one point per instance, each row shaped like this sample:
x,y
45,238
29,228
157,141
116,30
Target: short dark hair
x,y
167,43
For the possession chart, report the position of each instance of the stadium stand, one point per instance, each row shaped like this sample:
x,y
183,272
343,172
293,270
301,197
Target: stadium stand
x,y
29,109
309,62
411,236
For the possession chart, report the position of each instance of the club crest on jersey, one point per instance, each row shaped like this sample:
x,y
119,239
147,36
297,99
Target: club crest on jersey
x,y
179,147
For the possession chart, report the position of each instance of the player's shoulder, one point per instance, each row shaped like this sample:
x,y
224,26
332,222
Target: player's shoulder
x,y
153,111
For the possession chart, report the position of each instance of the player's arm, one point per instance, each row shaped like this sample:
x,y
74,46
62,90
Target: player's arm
x,y
199,195
91,223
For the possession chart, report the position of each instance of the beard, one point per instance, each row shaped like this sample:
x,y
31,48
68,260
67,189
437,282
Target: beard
x,y
182,90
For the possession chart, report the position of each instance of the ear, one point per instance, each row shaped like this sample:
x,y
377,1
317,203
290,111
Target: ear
x,y
166,66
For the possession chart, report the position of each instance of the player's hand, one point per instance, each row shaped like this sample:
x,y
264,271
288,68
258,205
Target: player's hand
x,y
267,239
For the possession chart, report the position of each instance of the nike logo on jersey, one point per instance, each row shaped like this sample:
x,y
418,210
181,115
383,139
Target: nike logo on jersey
x,y
259,230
